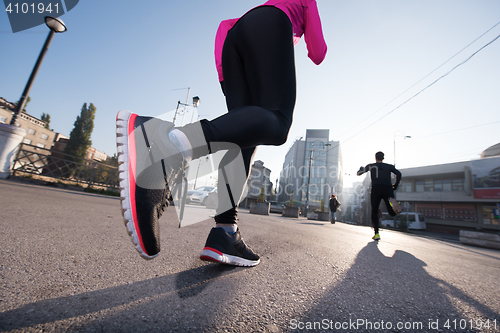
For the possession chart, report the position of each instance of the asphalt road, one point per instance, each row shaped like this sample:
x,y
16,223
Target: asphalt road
x,y
67,265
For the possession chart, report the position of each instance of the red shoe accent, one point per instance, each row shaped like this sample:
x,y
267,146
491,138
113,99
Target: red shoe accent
x,y
132,173
206,257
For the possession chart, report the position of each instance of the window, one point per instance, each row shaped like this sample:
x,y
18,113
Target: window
x,y
31,131
3,119
406,186
446,185
490,215
457,185
41,145
428,185
419,186
438,185
27,141
44,136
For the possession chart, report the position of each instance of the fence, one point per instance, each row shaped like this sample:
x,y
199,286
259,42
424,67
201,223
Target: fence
x,y
54,164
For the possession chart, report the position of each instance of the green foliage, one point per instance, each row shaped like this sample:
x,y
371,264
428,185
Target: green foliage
x,y
262,196
28,99
401,222
322,205
91,189
46,117
113,160
79,139
290,204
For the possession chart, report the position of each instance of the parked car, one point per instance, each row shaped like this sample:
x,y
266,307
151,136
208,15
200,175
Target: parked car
x,y
275,207
200,194
387,221
414,220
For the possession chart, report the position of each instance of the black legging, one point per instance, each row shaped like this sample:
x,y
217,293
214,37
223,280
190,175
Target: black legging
x,y
259,84
379,193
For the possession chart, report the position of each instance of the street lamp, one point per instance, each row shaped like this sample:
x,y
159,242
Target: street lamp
x,y
404,137
55,25
196,103
309,173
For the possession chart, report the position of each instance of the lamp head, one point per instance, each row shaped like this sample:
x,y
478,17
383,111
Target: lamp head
x,y
55,24
196,101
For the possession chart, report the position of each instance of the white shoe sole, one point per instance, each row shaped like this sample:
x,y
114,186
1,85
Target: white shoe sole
x,y
209,254
125,175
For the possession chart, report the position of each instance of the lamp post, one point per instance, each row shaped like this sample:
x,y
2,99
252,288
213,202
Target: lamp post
x,y
197,171
55,25
309,173
196,103
404,137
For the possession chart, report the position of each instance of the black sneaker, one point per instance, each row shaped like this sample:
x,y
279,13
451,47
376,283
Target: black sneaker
x,y
228,249
144,176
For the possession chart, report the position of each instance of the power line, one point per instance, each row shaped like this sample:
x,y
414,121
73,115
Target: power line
x,y
427,87
423,78
457,130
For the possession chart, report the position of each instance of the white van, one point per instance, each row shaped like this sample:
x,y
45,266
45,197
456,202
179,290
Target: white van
x,y
414,220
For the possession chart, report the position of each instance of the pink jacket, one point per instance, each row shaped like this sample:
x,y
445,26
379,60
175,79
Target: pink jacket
x,y
305,21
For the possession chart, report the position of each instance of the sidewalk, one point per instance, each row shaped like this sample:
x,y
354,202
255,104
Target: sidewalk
x,y
437,235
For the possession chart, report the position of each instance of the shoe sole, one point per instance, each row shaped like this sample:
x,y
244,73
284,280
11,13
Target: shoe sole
x,y
125,143
213,255
395,205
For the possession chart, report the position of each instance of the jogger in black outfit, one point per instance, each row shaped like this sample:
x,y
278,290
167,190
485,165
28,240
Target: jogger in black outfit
x,y
382,188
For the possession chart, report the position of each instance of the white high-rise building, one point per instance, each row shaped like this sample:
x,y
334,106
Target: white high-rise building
x,y
312,170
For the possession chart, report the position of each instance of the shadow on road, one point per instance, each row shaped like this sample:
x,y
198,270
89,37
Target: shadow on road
x,y
380,290
122,303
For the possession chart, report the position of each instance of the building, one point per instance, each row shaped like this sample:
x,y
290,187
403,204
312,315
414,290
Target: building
x,y
454,196
39,136
353,198
258,180
37,133
61,141
312,170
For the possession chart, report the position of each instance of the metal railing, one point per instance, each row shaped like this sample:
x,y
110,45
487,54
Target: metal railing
x,y
54,164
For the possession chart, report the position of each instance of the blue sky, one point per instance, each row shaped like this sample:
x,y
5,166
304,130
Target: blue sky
x,y
142,56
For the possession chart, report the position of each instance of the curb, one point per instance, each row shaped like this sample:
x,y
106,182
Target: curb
x,y
482,239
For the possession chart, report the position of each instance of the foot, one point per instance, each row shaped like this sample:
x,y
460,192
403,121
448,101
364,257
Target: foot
x,y
147,165
228,249
376,237
396,207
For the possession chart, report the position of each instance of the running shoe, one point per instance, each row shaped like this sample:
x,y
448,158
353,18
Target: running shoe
x,y
396,207
376,237
228,249
147,165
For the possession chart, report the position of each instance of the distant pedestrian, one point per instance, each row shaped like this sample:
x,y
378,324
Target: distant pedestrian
x,y
382,189
334,205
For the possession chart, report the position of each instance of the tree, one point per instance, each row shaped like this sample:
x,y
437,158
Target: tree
x,y
262,195
113,160
26,104
79,139
46,118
